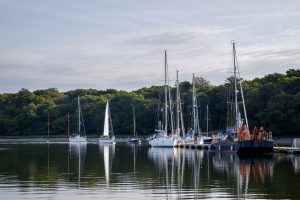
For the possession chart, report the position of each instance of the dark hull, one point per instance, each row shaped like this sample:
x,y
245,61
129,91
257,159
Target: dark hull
x,y
133,140
245,146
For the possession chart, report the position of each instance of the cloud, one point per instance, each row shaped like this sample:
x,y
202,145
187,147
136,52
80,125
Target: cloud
x,y
120,44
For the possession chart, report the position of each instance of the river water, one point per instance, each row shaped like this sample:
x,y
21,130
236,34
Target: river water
x,y
123,171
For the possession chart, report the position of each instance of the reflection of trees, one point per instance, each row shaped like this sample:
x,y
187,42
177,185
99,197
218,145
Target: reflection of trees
x,y
242,169
175,173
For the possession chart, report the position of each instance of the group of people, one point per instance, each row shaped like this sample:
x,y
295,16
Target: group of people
x,y
256,134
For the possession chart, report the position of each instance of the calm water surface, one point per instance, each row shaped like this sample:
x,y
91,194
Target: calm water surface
x,y
122,171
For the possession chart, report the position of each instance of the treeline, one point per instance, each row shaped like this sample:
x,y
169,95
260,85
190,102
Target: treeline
x,y
272,101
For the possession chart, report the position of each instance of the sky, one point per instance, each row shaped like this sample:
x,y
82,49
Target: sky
x,y
71,44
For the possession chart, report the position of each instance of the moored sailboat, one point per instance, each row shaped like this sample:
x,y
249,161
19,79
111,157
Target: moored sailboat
x,y
80,134
195,134
134,138
237,136
108,133
161,138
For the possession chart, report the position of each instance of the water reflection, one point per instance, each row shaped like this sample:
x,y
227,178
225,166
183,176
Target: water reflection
x,y
78,151
107,151
135,171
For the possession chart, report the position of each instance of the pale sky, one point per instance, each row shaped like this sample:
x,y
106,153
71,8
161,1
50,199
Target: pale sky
x,y
70,44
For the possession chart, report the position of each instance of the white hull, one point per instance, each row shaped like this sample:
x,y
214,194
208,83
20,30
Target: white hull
x,y
164,142
107,141
77,139
205,140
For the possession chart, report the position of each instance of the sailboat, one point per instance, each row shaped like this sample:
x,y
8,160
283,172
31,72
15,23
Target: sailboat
x,y
79,135
108,132
179,116
237,136
205,139
134,139
160,138
195,135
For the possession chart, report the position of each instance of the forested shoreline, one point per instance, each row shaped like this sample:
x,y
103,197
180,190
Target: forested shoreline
x,y
272,101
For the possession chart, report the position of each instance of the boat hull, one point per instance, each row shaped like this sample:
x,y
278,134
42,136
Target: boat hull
x,y
164,142
77,139
107,141
134,140
245,146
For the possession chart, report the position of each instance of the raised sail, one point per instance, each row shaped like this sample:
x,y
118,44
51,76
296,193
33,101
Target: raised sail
x,y
106,121
108,134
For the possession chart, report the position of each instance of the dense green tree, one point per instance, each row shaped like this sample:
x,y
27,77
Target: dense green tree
x,y
272,101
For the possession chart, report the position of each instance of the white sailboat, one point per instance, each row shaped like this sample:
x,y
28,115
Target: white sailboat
x,y
195,135
108,134
79,135
161,137
192,134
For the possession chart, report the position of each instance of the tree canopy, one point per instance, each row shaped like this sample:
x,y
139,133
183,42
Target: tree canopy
x,y
272,101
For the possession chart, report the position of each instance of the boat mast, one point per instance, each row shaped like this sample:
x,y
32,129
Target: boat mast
x,y
207,120
68,124
134,125
48,126
194,105
166,95
235,88
177,104
79,110
170,107
181,117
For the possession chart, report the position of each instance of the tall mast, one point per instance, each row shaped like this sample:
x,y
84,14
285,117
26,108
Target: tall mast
x,y
48,126
194,104
177,104
170,105
207,120
78,103
134,125
166,95
235,86
68,124
181,116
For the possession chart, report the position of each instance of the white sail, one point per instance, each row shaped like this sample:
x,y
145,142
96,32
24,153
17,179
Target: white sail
x,y
106,121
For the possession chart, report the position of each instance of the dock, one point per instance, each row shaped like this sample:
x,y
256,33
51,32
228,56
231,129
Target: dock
x,y
288,150
195,146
